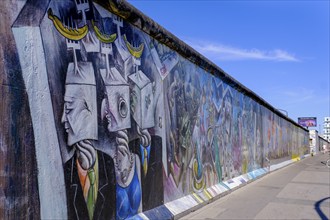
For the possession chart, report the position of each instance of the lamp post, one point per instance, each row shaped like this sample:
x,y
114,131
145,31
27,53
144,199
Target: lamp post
x,y
282,110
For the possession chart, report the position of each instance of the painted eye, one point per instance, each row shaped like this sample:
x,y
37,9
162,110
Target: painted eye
x,y
122,107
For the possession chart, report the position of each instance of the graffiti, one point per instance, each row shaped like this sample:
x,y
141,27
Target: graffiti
x,y
136,124
116,97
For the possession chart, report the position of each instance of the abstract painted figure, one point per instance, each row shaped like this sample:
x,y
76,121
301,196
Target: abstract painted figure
x,y
89,174
144,141
115,109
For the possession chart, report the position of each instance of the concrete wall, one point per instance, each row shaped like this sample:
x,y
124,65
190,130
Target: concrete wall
x,y
101,91
314,141
323,144
19,197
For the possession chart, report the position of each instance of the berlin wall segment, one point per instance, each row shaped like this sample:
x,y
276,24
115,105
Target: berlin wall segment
x,y
125,121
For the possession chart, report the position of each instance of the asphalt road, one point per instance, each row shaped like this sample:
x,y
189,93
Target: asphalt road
x,y
298,191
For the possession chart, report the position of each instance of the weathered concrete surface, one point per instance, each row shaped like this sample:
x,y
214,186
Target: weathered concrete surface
x,y
18,167
298,191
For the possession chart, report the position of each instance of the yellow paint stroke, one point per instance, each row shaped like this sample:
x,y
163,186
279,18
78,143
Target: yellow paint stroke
x,y
135,51
105,38
198,198
295,157
111,7
123,14
208,195
70,33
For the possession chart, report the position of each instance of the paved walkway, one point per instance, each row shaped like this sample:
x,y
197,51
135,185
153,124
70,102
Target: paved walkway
x,y
298,191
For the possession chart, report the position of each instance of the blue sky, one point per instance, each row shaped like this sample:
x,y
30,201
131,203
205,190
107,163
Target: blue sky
x,y
278,49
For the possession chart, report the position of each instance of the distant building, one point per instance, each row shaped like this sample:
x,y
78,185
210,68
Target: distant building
x,y
326,128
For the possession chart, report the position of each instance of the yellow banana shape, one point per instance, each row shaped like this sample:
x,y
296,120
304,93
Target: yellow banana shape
x,y
70,33
135,51
123,14
105,38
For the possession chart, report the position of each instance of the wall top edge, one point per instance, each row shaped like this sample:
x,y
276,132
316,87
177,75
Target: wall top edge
x,y
132,15
324,139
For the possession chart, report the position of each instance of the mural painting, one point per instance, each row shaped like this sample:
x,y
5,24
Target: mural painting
x,y
112,148
136,123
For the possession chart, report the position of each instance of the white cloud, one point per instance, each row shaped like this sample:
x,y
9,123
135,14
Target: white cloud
x,y
215,51
298,95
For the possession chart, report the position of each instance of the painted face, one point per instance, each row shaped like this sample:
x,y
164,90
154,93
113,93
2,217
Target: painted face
x,y
115,108
106,114
79,114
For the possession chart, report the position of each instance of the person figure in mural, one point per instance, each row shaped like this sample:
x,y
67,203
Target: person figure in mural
x,y
215,140
89,173
228,171
144,142
115,110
